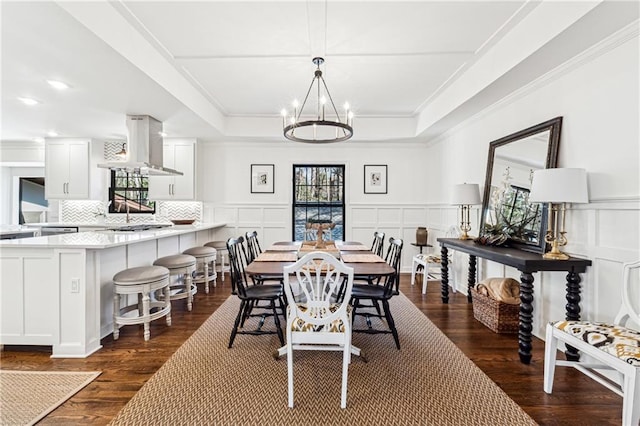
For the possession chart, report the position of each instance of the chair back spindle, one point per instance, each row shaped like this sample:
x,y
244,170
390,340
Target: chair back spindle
x,y
253,246
378,243
237,259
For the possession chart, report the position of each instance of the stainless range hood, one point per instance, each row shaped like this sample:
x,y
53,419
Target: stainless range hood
x,y
144,148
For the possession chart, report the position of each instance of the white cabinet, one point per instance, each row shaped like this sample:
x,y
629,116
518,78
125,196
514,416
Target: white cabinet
x,y
69,170
178,155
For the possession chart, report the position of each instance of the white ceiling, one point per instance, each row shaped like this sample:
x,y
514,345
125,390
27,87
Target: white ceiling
x,y
222,70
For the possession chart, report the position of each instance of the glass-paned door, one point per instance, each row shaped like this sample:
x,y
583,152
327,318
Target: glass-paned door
x,y
318,198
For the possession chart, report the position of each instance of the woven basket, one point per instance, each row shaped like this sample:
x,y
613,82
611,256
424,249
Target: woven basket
x,y
499,317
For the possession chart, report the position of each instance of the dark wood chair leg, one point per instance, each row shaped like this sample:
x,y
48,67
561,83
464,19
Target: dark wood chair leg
x,y
248,307
237,323
391,323
276,319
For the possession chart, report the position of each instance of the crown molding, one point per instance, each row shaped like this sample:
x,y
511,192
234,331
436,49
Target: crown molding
x,y
606,45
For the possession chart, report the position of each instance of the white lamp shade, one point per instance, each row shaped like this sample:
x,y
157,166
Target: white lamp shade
x,y
559,186
466,194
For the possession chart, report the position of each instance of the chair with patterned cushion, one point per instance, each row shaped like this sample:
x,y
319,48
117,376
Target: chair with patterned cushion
x,y
430,265
613,346
314,321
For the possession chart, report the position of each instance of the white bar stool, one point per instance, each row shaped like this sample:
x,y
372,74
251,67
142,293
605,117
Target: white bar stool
x,y
223,256
182,265
204,256
142,281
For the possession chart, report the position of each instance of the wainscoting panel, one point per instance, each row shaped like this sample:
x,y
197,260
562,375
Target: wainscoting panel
x,y
389,215
414,216
618,228
276,215
363,217
250,216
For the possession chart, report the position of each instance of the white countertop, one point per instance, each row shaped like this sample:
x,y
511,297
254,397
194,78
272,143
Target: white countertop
x,y
15,229
104,239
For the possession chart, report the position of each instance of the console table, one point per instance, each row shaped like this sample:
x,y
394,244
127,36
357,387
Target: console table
x,y
527,263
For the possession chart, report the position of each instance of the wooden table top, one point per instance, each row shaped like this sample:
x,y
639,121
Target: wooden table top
x,y
359,268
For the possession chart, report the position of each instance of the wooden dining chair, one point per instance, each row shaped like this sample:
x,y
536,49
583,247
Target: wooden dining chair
x,y
376,247
251,294
613,346
314,321
383,290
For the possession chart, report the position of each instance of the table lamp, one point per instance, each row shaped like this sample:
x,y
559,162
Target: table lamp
x,y
465,195
558,187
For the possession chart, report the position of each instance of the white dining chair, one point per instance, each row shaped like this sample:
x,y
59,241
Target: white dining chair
x,y
315,321
613,346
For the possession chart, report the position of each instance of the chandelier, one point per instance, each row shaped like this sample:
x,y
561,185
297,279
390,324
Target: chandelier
x,y
324,128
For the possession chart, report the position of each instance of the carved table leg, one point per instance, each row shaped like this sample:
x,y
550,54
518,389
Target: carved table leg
x,y
471,281
573,309
526,317
444,265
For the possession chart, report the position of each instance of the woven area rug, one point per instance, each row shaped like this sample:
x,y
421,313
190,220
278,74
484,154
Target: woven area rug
x,y
429,381
28,396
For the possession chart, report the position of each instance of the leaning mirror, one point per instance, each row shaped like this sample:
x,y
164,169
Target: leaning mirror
x,y
507,216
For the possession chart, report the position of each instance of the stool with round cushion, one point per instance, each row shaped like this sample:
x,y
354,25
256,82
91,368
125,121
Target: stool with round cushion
x,y
141,281
204,273
183,266
222,259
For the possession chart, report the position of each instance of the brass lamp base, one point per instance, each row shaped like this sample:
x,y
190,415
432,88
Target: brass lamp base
x,y
465,236
555,256
555,253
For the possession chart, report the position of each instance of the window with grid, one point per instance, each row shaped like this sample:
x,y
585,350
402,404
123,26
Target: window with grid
x,y
318,198
130,190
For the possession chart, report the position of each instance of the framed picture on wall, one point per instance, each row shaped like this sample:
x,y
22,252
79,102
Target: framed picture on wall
x,y
375,179
262,179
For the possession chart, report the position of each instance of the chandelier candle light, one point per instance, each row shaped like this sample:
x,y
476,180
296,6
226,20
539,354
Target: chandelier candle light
x,y
558,187
326,127
465,195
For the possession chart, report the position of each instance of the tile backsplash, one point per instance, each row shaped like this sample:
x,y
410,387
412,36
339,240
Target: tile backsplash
x,y
92,211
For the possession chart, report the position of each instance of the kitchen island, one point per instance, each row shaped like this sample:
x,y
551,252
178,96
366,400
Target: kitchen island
x,y
57,290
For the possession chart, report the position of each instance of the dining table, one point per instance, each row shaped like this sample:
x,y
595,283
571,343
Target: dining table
x,y
353,254
273,259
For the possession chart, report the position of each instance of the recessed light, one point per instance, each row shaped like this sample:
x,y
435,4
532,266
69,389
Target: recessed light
x,y
28,101
38,139
52,133
163,134
58,84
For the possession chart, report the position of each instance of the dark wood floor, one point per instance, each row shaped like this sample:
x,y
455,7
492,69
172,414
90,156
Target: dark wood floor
x,y
127,363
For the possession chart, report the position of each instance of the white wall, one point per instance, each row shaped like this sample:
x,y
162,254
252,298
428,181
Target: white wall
x,y
224,187
598,95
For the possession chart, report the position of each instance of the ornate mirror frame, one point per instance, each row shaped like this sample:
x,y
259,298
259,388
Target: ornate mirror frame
x,y
506,212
